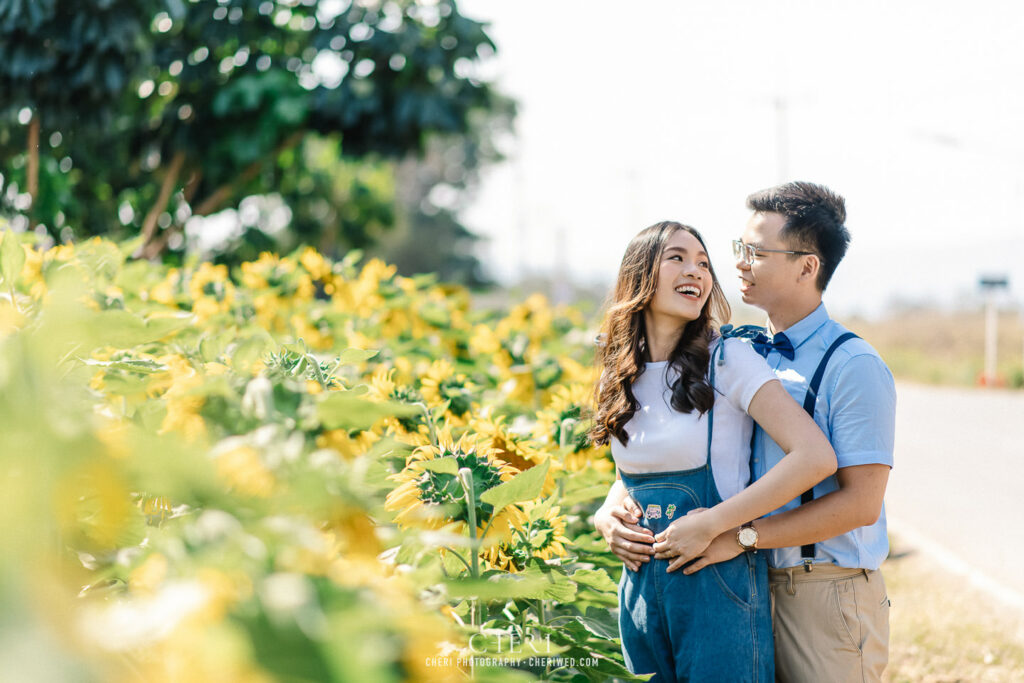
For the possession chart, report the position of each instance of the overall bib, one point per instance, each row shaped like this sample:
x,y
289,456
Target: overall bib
x,y
714,625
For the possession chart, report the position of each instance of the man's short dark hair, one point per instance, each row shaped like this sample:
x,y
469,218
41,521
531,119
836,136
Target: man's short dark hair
x,y
815,217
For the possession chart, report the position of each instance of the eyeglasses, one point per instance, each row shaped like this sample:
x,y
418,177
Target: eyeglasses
x,y
748,251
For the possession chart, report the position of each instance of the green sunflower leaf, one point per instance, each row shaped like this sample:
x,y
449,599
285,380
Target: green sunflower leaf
x,y
12,258
584,495
442,465
524,486
350,356
124,329
532,584
597,579
343,410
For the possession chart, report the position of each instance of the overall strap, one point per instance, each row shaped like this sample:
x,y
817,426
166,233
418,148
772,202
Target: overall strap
x,y
810,399
750,332
719,351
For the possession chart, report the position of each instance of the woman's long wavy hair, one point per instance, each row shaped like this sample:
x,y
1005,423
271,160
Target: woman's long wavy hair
x,y
622,345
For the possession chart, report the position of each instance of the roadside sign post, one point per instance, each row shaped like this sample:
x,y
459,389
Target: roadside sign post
x,y
991,285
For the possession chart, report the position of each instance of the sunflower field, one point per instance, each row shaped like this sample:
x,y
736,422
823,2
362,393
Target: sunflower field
x,y
295,470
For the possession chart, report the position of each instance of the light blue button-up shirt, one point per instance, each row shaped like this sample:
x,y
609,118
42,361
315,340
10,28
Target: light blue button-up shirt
x,y
856,409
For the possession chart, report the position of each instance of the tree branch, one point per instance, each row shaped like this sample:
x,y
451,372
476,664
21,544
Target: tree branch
x,y
192,185
149,225
32,169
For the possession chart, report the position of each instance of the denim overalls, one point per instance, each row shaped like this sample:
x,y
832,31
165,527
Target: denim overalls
x,y
712,626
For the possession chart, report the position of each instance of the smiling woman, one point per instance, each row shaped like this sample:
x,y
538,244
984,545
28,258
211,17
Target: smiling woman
x,y
684,285
659,259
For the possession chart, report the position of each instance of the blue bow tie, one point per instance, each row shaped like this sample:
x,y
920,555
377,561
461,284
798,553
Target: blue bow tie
x,y
780,342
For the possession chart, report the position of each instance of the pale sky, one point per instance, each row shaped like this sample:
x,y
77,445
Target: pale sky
x,y
636,112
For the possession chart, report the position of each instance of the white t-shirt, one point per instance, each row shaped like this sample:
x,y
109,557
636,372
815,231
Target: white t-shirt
x,y
661,439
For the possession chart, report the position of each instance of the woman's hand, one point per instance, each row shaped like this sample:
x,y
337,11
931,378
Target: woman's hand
x,y
629,541
724,547
684,539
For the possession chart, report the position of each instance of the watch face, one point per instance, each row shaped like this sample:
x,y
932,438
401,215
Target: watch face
x,y
748,536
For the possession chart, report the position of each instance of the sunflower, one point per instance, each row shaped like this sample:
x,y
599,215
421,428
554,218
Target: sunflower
x,y
351,532
429,498
270,271
168,290
316,333
443,384
563,425
383,387
211,291
315,264
484,341
241,467
364,296
545,530
543,536
534,316
348,444
11,319
180,385
578,373
507,557
155,508
561,422
321,273
515,449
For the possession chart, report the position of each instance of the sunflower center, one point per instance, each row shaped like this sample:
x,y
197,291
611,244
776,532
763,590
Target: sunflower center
x,y
408,395
541,534
439,488
460,398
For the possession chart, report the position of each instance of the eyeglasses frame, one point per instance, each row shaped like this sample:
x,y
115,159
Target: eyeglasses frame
x,y
752,251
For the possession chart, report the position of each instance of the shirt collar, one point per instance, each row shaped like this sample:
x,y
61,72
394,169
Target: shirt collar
x,y
802,331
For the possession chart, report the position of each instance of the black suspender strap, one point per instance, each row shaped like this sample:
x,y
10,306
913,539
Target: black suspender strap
x,y
810,398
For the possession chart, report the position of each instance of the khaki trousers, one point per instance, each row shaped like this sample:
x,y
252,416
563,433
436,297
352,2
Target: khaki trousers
x,y
831,624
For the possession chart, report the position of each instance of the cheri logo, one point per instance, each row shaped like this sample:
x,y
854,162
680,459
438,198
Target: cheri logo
x,y
509,641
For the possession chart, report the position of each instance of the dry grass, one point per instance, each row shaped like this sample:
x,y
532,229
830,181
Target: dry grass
x,y
944,348
943,630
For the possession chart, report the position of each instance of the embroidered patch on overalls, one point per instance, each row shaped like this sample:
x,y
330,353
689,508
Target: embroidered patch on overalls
x,y
653,511
670,510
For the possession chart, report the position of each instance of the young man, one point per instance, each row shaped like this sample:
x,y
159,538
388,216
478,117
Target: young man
x,y
831,610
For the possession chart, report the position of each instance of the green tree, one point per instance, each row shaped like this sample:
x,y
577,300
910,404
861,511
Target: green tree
x,y
63,70
219,100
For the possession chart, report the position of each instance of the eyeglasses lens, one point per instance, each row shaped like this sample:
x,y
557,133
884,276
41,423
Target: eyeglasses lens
x,y
744,251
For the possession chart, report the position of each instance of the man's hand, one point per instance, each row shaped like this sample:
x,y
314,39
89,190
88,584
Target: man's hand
x,y
723,548
684,539
630,542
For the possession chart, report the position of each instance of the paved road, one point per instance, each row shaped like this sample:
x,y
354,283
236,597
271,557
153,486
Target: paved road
x,y
958,483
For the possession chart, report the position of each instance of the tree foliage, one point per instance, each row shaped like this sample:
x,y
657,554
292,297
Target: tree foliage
x,y
148,112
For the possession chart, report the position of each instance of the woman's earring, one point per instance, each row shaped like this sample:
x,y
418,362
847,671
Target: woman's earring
x,y
643,344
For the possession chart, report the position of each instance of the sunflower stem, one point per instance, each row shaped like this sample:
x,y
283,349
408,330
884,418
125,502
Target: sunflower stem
x,y
466,479
430,423
543,622
461,558
488,527
567,422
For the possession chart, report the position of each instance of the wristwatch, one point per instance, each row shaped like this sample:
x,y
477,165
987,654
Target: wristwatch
x,y
746,536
